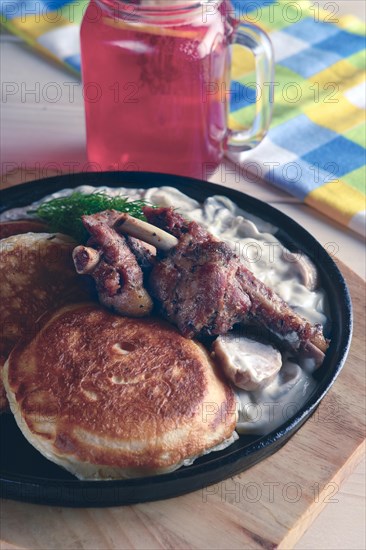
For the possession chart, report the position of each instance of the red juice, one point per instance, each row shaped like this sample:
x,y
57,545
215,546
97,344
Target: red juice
x,y
156,96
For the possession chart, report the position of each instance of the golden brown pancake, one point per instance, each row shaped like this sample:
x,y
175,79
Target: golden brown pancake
x,y
7,229
107,396
37,274
17,227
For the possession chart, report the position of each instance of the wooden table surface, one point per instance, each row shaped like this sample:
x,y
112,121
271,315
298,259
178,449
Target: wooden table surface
x,y
40,138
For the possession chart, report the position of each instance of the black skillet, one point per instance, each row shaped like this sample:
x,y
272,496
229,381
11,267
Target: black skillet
x,y
27,476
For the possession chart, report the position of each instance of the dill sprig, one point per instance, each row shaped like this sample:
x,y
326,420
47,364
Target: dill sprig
x,y
63,214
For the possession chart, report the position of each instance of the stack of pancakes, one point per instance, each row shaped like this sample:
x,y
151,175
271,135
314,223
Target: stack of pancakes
x,y
102,395
37,274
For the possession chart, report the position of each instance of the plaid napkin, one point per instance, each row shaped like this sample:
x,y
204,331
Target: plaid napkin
x,y
315,149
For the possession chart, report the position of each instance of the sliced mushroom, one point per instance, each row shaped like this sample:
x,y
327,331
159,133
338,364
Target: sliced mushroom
x,y
249,364
306,270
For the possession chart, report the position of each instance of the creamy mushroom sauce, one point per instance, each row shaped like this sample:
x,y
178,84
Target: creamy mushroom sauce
x,y
254,240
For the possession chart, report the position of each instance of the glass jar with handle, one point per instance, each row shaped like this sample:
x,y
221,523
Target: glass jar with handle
x,y
156,82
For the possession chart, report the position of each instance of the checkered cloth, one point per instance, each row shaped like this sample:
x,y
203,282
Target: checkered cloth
x,y
315,149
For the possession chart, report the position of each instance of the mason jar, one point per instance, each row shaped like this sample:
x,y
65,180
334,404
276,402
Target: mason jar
x,y
156,84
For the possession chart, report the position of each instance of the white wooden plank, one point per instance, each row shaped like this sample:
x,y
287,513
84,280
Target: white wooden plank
x,y
334,528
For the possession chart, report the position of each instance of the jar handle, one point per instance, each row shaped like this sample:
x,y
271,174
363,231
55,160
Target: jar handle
x,y
258,42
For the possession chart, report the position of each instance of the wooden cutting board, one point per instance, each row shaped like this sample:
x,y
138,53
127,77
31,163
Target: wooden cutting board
x,y
269,506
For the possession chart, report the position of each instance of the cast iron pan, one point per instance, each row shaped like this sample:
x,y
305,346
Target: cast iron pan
x,y
27,476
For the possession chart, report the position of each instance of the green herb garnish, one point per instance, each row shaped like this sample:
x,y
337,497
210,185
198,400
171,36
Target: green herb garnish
x,y
64,214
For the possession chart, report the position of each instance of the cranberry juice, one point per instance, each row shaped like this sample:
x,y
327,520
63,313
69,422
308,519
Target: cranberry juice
x,y
155,95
